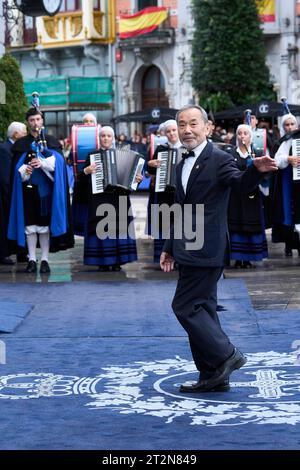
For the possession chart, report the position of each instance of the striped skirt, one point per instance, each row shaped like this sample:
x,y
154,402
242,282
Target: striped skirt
x,y
108,252
248,247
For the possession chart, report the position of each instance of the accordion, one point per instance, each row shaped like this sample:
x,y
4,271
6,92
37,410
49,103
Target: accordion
x,y
116,168
296,152
166,174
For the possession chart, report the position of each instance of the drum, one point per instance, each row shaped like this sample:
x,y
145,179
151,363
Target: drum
x,y
259,142
84,139
155,141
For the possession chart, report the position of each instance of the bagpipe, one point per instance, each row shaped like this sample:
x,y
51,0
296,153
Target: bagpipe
x,y
39,145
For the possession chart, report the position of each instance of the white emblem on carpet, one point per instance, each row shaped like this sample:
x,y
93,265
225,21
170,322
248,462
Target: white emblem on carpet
x,y
265,391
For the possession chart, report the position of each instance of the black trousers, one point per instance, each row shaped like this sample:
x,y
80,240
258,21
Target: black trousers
x,y
194,305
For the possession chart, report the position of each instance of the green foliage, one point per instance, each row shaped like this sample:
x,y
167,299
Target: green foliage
x,y
216,101
15,101
228,53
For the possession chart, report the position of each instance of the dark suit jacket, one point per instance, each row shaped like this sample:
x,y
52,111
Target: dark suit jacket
x,y
211,178
5,164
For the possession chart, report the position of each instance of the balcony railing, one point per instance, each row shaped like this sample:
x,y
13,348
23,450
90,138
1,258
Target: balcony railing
x,y
161,37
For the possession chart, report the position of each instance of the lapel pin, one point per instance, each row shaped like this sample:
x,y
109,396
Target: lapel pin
x,y
197,167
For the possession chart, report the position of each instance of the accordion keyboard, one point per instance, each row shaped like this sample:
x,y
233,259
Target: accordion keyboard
x,y
296,151
162,172
98,177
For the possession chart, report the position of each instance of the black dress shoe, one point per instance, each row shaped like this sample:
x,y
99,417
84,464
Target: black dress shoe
x,y
201,387
31,267
238,264
235,361
22,258
103,269
6,261
45,268
116,267
220,308
247,265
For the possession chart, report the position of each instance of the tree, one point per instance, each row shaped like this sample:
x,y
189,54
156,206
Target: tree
x,y
15,104
228,53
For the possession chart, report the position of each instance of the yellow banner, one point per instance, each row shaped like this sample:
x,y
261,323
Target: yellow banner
x,y
266,10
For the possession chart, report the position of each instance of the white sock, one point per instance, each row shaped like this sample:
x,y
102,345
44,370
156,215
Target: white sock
x,y
31,243
44,244
297,228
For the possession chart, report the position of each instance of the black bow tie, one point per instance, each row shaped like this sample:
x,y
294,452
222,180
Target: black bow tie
x,y
187,154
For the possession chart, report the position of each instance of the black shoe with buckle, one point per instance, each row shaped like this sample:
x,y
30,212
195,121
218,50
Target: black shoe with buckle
x,y
31,267
45,268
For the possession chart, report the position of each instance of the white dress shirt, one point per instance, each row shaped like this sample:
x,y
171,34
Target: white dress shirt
x,y
189,163
282,154
175,146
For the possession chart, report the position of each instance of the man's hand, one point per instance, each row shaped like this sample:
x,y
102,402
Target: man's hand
x,y
166,262
35,163
265,164
29,170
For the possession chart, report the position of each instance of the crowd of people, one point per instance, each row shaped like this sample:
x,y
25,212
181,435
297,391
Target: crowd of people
x,y
37,180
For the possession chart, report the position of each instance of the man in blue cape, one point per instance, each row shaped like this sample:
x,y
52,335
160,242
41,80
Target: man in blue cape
x,y
40,198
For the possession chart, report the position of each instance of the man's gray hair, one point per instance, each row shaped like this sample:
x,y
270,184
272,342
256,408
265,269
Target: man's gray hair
x,y
192,106
15,127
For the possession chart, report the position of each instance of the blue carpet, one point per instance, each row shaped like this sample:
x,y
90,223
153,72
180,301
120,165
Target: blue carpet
x,y
11,315
98,365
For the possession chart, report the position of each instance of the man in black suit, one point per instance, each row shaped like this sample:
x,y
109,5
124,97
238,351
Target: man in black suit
x,y
204,177
15,131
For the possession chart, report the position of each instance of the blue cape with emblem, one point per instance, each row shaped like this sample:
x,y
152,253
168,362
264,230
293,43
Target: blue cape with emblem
x,y
59,214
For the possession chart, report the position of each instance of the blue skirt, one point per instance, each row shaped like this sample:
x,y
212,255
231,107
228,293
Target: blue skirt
x,y
108,252
248,247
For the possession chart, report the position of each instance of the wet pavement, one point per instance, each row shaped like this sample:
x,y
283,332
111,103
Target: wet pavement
x,y
272,284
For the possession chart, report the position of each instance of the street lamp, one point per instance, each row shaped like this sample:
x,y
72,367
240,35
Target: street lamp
x,y
38,7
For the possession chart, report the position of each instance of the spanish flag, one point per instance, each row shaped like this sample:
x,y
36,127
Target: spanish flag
x,y
143,22
266,10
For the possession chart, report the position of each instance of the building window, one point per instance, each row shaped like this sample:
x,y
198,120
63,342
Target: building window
x,y
71,5
153,88
29,30
146,3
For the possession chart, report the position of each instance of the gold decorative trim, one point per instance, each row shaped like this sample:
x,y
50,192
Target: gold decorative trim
x,y
51,27
76,24
98,22
74,42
